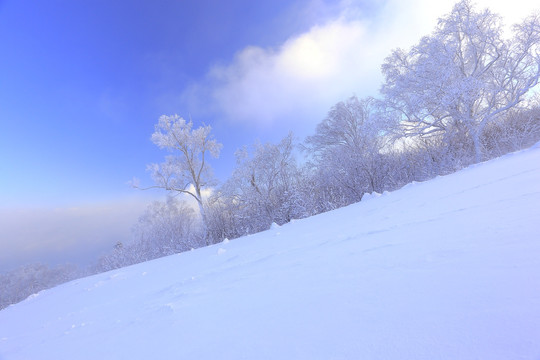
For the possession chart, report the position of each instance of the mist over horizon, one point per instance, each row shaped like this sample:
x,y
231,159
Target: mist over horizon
x,y
61,235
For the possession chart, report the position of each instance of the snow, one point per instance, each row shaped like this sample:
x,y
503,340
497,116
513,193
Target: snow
x,y
446,269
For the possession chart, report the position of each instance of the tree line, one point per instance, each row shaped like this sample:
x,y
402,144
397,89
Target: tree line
x,y
460,96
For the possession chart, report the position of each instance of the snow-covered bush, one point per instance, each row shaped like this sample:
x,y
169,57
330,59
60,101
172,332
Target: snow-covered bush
x,y
18,284
165,228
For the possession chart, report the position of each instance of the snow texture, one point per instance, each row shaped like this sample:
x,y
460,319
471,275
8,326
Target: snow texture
x,y
446,269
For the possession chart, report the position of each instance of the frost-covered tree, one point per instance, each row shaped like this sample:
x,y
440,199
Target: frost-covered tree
x,y
262,188
167,228
463,76
347,149
119,256
186,170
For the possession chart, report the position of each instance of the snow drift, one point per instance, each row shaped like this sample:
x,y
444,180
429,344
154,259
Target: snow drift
x,y
447,269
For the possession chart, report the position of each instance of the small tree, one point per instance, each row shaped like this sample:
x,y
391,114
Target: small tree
x,y
463,76
166,228
186,170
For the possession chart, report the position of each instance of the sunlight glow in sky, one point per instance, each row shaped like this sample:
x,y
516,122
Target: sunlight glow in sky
x,y
84,82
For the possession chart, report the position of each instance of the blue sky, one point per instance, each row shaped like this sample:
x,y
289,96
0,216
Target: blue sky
x,y
82,84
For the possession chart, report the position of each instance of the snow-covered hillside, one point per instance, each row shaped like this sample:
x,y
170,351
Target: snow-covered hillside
x,y
447,269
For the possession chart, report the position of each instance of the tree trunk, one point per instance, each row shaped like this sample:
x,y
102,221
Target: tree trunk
x,y
202,211
478,151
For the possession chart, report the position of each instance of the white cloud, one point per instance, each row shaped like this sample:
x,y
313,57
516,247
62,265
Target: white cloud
x,y
301,79
265,84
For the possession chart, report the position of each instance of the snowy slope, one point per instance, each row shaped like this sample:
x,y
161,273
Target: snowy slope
x,y
447,269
